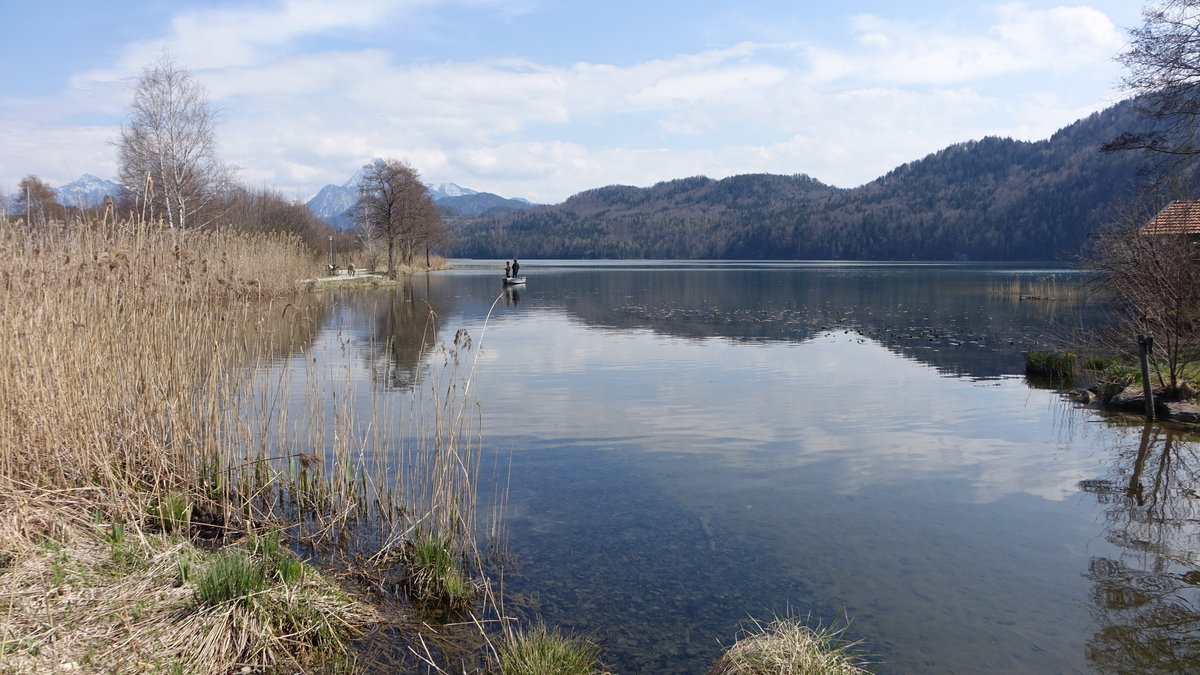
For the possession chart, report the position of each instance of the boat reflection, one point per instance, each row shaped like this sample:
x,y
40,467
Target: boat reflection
x,y
512,295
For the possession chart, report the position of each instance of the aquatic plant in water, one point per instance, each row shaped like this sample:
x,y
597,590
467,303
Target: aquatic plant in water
x,y
1050,364
546,651
434,575
789,646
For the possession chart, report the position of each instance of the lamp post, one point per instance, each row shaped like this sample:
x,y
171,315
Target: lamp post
x,y
331,254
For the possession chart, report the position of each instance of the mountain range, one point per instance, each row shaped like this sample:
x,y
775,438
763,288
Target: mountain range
x,y
329,204
333,202
987,199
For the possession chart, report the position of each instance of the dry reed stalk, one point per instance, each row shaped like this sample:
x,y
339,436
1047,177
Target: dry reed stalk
x,y
130,372
120,341
1050,287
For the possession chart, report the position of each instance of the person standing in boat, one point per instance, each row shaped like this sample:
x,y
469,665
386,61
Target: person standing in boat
x,y
515,266
507,269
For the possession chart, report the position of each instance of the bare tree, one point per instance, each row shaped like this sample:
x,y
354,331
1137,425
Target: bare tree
x,y
395,207
168,147
37,201
1163,58
265,210
1153,283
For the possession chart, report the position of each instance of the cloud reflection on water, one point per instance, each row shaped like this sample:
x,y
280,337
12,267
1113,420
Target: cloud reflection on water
x,y
885,418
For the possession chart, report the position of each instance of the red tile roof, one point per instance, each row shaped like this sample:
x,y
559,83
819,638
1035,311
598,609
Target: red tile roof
x,y
1181,216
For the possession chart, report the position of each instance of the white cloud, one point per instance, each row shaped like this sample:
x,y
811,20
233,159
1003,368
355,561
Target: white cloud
x,y
1022,40
57,157
843,114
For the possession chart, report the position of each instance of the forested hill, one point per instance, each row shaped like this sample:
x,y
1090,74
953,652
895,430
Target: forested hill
x,y
991,199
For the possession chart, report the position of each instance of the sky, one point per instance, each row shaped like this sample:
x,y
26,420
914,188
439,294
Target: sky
x,y
541,99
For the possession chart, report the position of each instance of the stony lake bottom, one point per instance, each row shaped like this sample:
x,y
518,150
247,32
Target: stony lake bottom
x,y
676,449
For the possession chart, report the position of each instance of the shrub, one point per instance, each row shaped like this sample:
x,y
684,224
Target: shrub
x,y
1099,363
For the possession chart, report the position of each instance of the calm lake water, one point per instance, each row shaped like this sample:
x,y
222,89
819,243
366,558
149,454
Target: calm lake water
x,y
694,445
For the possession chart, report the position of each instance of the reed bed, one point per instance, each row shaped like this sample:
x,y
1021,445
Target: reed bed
x,y
121,339
142,405
1047,288
125,347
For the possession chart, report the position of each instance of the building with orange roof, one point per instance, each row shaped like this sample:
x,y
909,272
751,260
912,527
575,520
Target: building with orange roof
x,y
1180,217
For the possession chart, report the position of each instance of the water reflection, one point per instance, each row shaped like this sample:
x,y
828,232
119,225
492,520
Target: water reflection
x,y
1147,598
401,325
405,328
693,445
512,295
963,320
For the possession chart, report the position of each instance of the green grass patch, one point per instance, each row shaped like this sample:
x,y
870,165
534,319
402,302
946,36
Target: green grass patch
x,y
544,651
277,561
1050,364
173,513
434,574
232,577
239,575
122,552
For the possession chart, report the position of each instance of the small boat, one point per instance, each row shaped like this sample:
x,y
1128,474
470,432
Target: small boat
x,y
514,280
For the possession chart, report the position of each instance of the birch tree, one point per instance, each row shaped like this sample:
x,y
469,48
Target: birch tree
x,y
168,146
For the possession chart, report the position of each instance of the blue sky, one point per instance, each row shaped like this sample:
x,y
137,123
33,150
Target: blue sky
x,y
543,98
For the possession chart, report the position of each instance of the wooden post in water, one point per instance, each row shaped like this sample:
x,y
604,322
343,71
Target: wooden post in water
x,y
1145,344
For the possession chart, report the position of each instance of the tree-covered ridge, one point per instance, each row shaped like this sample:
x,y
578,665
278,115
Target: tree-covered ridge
x,y
990,199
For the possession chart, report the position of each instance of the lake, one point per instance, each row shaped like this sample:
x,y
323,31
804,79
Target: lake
x,y
684,447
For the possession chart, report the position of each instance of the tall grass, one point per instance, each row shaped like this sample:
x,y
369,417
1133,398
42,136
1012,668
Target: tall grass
x,y
126,348
121,340
135,377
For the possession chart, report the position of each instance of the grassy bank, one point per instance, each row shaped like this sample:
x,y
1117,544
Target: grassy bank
x,y
123,344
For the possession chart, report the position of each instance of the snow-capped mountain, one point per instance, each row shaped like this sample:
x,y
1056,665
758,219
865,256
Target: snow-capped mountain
x,y
87,192
442,191
333,201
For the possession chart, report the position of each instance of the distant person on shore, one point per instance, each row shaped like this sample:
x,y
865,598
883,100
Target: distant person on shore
x,y
515,266
507,269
